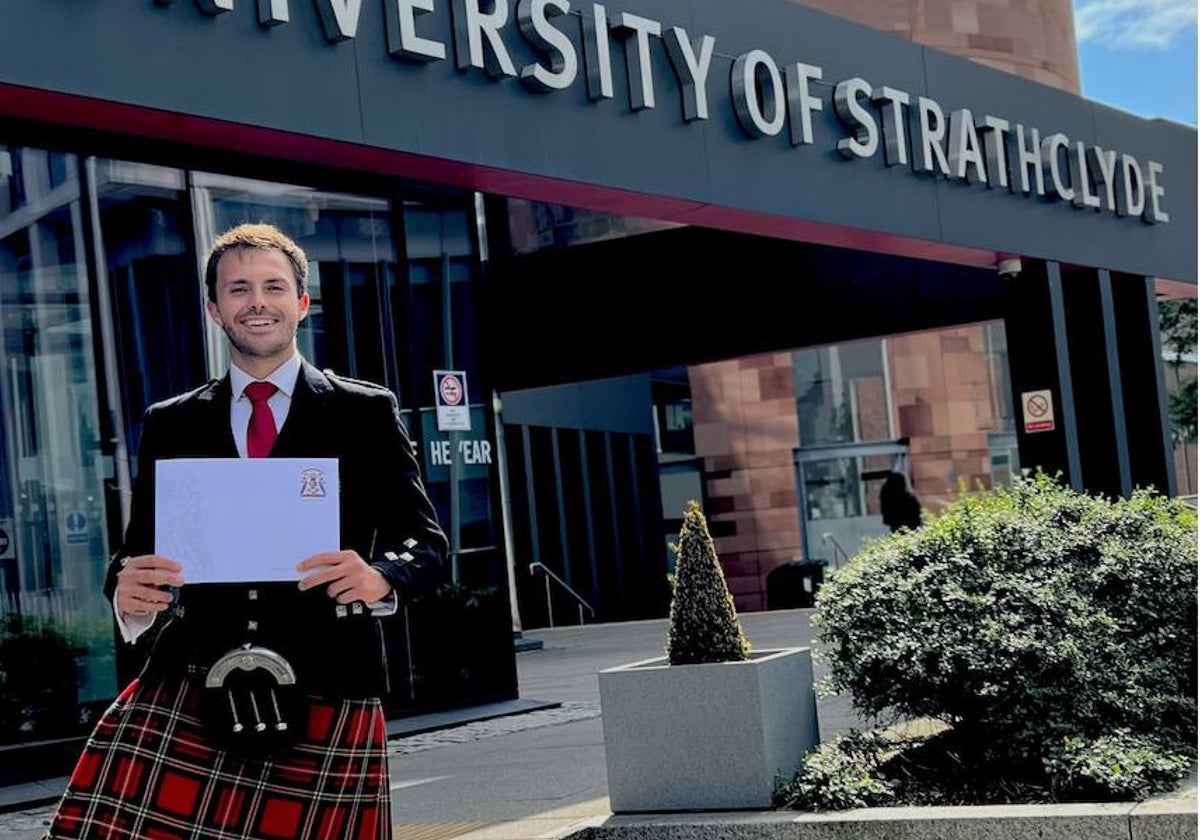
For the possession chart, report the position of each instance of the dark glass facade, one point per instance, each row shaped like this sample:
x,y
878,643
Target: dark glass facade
x,y
56,643
102,312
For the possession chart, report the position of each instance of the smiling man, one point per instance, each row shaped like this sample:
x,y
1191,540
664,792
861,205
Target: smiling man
x,y
256,300
176,756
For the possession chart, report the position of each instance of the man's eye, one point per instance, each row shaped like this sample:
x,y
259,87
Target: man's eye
x,y
239,290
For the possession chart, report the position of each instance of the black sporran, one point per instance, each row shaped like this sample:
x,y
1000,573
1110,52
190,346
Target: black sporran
x,y
251,704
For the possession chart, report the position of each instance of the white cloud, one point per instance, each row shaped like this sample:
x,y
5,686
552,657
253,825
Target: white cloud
x,y
1134,24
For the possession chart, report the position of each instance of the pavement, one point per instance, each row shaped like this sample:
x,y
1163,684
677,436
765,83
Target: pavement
x,y
534,769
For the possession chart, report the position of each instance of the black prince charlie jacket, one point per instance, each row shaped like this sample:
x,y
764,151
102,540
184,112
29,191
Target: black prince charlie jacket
x,y
385,516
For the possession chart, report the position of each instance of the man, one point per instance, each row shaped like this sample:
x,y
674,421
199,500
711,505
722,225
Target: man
x,y
153,769
898,505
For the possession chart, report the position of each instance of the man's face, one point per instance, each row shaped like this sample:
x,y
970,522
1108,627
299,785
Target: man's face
x,y
258,308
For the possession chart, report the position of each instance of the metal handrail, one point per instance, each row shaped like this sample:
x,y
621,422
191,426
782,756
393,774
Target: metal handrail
x,y
828,539
533,569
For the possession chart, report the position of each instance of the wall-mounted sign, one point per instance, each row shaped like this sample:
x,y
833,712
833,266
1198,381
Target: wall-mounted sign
x,y
450,394
769,96
1038,409
8,550
76,523
760,116
441,454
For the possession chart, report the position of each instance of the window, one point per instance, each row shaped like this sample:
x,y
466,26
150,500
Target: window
x,y
56,642
842,393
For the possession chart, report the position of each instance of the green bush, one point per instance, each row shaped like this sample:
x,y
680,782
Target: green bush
x,y
839,775
1023,617
38,679
1122,764
704,626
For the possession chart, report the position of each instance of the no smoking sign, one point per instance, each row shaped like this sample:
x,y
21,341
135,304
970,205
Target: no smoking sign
x,y
453,406
451,390
1038,409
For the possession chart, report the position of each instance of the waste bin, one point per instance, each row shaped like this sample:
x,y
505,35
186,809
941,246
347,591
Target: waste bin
x,y
794,585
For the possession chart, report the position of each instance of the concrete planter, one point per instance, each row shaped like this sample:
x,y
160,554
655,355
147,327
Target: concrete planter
x,y
706,737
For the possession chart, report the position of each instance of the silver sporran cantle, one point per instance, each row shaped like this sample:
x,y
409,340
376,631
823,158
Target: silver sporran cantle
x,y
251,702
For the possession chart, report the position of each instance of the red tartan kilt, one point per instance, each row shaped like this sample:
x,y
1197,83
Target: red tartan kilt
x,y
149,773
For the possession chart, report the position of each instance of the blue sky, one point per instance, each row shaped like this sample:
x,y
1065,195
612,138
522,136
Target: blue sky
x,y
1139,55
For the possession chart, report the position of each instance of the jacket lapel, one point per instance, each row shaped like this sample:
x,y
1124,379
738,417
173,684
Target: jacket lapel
x,y
213,432
307,423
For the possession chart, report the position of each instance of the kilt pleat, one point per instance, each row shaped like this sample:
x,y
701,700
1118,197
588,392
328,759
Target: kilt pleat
x,y
148,772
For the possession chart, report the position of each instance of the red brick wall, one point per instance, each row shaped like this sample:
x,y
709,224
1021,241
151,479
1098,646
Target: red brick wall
x,y
941,392
1030,38
744,416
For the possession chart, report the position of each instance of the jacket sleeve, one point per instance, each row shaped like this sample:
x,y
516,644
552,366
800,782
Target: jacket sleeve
x,y
139,535
410,547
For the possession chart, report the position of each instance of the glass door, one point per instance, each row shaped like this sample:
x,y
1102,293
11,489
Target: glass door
x,y
838,488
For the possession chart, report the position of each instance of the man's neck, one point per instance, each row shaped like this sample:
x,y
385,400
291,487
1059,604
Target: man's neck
x,y
259,368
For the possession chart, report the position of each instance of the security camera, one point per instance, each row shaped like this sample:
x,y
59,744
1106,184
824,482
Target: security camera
x,y
1009,266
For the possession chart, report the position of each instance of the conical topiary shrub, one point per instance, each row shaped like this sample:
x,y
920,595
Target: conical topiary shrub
x,y
704,625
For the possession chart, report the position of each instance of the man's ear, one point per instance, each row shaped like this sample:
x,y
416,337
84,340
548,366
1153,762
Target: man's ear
x,y
213,312
304,301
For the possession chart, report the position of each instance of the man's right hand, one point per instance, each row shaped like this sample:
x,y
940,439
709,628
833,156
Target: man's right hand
x,y
139,581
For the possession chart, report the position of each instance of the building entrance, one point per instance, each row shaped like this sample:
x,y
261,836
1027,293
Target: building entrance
x,y
838,491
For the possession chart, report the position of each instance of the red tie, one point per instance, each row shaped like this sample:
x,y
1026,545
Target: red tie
x,y
261,433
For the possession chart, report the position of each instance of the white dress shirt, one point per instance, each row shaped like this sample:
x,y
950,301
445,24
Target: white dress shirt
x,y
284,379
240,408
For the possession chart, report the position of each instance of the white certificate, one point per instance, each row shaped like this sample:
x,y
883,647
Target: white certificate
x,y
230,520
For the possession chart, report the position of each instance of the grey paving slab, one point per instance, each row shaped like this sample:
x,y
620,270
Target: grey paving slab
x,y
435,721
1021,822
31,793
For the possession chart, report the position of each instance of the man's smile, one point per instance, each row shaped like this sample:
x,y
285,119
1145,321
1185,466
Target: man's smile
x,y
258,322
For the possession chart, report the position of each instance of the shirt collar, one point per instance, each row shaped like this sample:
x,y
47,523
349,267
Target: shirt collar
x,y
283,377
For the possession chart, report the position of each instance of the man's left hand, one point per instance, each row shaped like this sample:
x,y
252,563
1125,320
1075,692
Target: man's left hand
x,y
346,575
